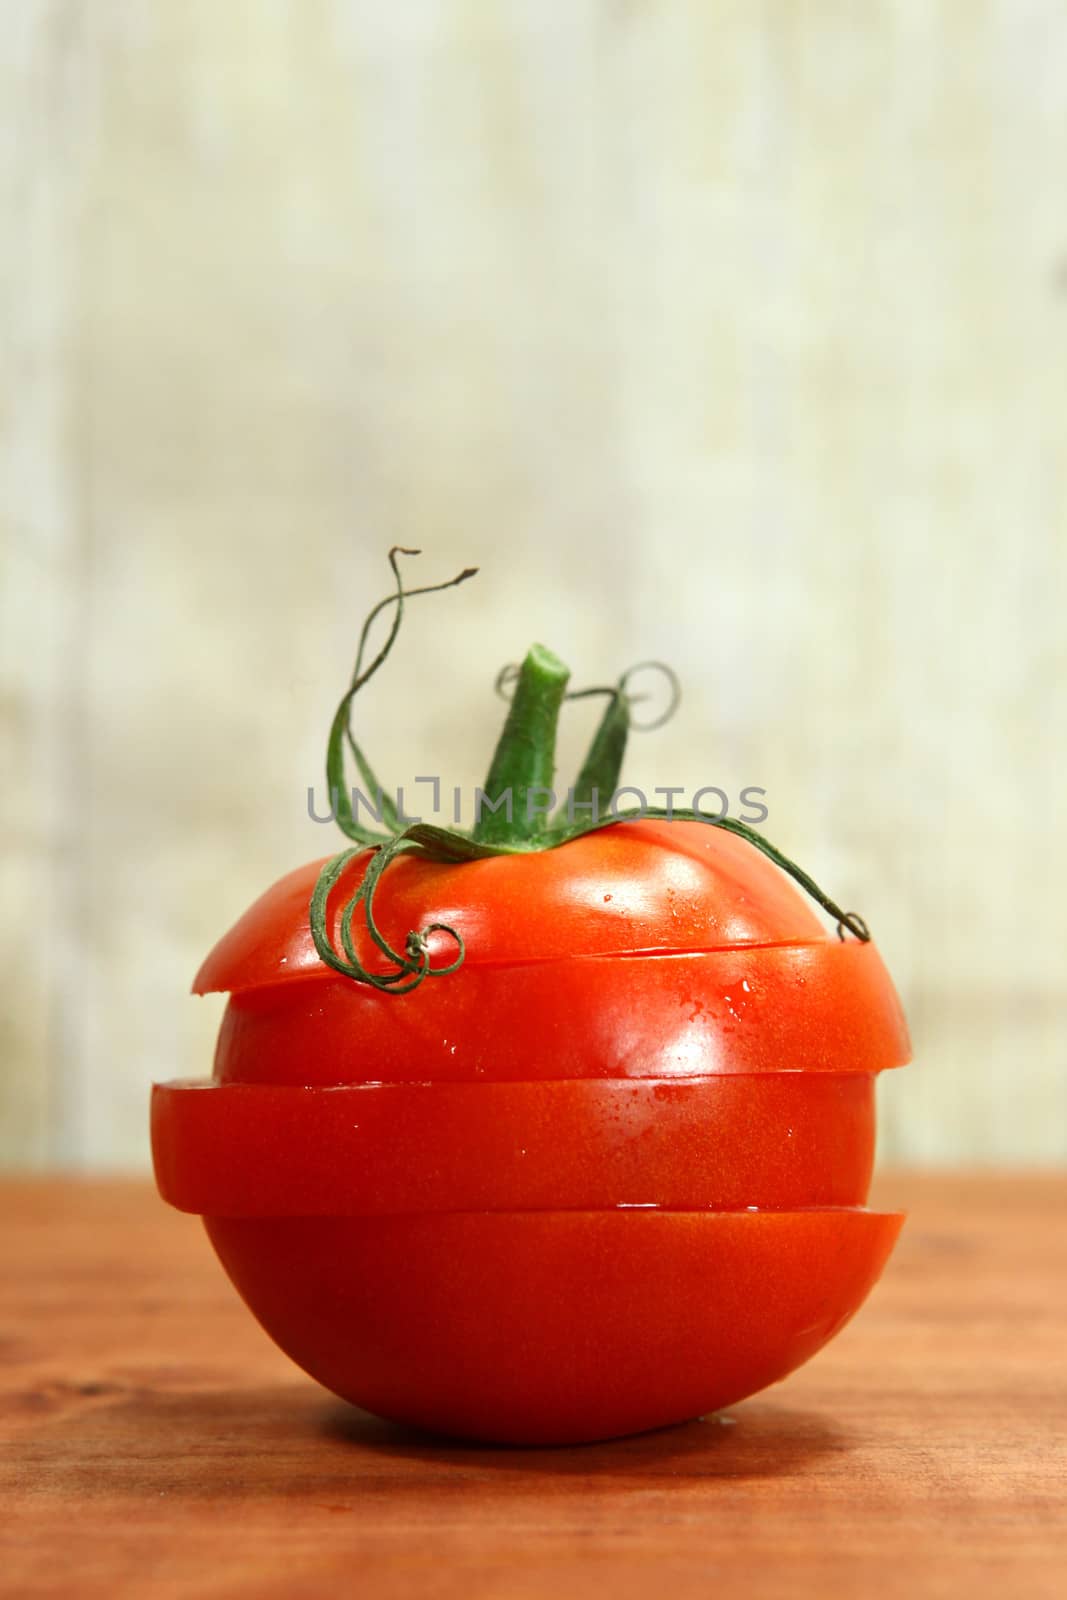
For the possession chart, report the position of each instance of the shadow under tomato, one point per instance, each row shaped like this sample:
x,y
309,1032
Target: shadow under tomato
x,y
85,1442
753,1440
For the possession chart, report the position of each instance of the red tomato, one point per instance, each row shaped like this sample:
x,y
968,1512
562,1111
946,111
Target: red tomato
x,y
559,979
570,1189
725,1142
553,1328
635,888
826,1007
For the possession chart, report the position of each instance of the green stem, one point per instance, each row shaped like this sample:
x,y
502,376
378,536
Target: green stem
x,y
599,775
520,777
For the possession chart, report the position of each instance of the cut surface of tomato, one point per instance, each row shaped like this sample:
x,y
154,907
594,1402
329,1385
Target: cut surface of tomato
x,y
548,1328
775,1141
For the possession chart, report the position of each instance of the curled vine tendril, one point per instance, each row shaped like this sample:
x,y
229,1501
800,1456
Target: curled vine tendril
x,y
508,675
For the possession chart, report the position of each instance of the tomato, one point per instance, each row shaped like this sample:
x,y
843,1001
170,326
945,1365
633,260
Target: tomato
x,y
535,1134
778,1140
736,975
808,1008
609,1128
642,886
549,1327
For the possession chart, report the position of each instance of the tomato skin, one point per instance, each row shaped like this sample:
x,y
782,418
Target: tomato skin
x,y
553,1328
635,886
727,1142
812,1008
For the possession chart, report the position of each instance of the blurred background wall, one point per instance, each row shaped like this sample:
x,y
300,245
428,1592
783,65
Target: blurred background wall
x,y
732,333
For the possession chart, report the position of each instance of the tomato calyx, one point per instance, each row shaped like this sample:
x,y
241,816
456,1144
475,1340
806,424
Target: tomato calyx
x,y
512,810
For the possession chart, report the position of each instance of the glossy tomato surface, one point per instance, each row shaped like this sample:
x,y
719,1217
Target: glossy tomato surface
x,y
816,1008
548,1328
636,887
726,1142
649,950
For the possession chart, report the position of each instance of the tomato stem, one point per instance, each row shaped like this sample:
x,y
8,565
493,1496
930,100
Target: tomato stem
x,y
511,811
600,771
513,806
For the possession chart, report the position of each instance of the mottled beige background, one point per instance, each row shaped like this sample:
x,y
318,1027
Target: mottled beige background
x,y
735,333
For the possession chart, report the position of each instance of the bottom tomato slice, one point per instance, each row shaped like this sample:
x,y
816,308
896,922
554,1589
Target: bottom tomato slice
x,y
553,1328
773,1140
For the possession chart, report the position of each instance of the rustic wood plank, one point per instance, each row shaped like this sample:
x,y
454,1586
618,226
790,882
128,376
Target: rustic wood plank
x,y
155,1444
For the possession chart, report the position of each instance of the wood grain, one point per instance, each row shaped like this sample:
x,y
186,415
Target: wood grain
x,y
155,1444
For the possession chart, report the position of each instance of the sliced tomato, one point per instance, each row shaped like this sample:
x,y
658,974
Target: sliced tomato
x,y
723,1142
548,1328
508,1204
635,886
814,1008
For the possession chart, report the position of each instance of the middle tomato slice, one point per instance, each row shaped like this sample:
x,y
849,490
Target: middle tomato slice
x,y
764,1140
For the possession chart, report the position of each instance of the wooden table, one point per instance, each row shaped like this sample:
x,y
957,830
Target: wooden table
x,y
155,1444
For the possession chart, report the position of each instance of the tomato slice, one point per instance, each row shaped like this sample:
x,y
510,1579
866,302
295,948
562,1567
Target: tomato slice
x,y
553,1328
641,885
725,1142
814,1008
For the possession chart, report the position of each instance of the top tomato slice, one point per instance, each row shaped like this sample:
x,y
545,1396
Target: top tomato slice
x,y
635,887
